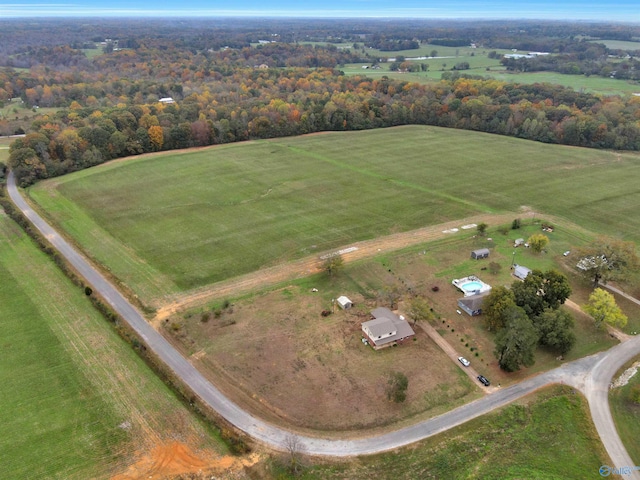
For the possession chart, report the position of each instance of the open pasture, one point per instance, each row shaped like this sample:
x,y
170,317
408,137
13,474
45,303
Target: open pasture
x,y
619,44
4,149
484,68
547,435
76,401
172,222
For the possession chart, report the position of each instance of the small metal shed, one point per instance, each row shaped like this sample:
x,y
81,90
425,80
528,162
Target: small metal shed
x,y
344,303
521,272
480,253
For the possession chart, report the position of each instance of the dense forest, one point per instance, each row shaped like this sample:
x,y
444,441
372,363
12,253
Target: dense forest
x,y
260,79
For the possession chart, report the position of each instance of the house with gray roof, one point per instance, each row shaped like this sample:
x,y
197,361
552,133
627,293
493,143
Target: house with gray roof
x,y
472,304
386,329
521,272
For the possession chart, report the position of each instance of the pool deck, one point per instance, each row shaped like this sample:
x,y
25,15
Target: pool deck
x,y
459,283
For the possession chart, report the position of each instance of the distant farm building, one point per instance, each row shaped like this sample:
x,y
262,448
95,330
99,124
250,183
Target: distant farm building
x,y
473,304
521,272
386,329
344,302
480,253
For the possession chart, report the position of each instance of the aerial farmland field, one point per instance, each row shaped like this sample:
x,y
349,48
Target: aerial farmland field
x,y
76,401
176,221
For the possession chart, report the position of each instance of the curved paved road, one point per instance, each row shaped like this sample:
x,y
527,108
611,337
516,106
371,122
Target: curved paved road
x,y
591,375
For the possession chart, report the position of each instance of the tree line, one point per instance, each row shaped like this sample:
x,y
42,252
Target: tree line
x,y
120,116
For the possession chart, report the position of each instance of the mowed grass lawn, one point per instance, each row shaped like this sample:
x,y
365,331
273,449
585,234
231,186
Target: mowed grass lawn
x,y
76,402
177,221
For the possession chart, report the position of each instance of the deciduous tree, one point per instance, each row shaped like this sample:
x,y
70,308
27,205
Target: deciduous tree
x,y
333,265
295,450
538,242
555,330
494,306
603,308
607,259
540,290
397,385
419,309
156,136
516,342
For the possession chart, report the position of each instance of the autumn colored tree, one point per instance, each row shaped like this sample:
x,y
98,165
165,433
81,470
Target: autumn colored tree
x,y
538,242
603,308
156,137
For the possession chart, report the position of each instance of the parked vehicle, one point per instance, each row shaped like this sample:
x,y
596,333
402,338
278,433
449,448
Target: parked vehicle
x,y
464,361
483,380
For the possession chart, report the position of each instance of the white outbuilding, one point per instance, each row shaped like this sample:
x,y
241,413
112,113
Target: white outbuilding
x,y
344,302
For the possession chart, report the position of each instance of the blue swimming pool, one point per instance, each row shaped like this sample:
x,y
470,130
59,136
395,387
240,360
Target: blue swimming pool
x,y
471,286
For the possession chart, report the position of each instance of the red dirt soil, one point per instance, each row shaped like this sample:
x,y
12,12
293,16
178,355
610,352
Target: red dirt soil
x,y
173,459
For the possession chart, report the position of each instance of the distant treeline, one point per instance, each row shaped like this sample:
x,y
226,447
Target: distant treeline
x,y
245,79
253,103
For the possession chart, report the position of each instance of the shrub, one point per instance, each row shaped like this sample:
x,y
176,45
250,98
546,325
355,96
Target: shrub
x,y
88,291
397,385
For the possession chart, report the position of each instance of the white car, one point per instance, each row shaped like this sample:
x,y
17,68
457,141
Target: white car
x,y
566,254
464,361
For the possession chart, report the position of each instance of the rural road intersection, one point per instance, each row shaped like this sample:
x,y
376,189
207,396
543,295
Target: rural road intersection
x,y
590,375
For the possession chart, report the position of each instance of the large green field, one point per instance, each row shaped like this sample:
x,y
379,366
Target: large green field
x,y
481,64
619,44
492,69
76,402
182,220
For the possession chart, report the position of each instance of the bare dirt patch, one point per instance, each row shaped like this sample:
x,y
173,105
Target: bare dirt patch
x,y
292,365
173,459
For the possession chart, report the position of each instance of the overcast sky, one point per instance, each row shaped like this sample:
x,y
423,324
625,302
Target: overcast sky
x,y
616,10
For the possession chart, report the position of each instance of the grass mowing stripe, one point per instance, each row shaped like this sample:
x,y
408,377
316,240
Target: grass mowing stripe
x,y
204,216
400,183
69,381
54,424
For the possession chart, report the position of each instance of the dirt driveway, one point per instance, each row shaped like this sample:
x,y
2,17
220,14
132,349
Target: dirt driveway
x,y
313,264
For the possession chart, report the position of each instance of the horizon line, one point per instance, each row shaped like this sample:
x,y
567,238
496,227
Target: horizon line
x,y
415,14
